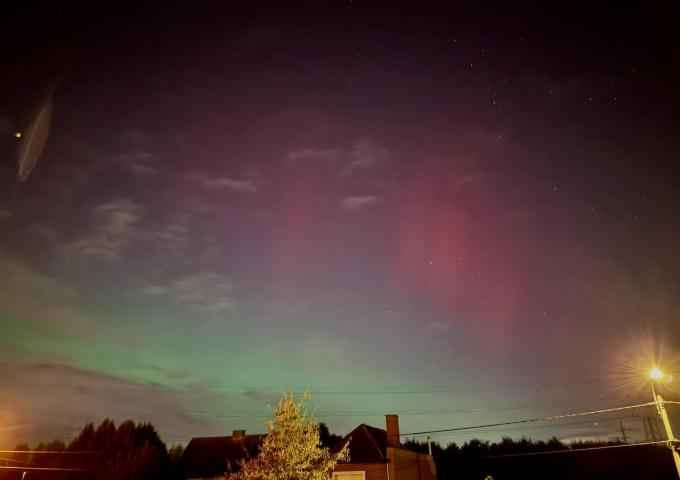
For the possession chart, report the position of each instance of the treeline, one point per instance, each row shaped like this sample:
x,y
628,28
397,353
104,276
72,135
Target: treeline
x,y
530,459
134,451
129,451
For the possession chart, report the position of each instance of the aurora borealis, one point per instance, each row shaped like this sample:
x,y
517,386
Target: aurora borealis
x,y
459,215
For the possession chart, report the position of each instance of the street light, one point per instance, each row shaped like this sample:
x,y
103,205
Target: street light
x,y
655,375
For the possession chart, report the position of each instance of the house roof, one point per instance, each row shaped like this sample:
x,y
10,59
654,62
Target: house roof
x,y
207,457
367,444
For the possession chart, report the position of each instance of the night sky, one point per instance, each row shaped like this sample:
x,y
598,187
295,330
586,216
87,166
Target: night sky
x,y
460,215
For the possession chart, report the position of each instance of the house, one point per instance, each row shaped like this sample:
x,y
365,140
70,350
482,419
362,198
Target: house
x,y
207,457
377,454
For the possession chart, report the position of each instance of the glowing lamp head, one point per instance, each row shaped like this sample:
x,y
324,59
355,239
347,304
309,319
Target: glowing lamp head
x,y
656,374
18,135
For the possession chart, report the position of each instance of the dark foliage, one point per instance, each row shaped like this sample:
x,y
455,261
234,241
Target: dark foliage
x,y
528,459
327,438
135,452
128,452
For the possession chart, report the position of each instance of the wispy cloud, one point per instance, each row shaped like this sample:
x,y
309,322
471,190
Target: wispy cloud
x,y
366,155
136,155
173,237
130,152
307,156
115,226
143,170
353,203
230,184
207,292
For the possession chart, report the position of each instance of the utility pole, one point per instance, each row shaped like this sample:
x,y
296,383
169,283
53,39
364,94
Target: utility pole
x,y
672,442
429,445
623,432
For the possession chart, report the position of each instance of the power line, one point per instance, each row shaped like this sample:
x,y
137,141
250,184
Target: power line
x,y
510,430
64,452
185,437
571,450
49,469
529,420
15,461
569,424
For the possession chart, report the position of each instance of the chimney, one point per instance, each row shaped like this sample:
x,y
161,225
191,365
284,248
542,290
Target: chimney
x,y
392,422
238,435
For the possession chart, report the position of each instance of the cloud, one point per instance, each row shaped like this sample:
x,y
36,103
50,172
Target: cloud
x,y
232,184
207,292
115,226
309,156
366,155
353,203
222,183
136,156
155,290
47,401
142,170
130,153
173,237
30,296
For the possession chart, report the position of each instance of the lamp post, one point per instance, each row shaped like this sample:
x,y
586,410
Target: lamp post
x,y
655,374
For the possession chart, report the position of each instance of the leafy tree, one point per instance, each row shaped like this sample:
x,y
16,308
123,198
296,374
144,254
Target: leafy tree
x,y
84,440
327,438
292,449
129,452
174,453
475,447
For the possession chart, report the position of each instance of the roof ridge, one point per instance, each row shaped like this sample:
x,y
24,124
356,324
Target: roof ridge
x,y
375,444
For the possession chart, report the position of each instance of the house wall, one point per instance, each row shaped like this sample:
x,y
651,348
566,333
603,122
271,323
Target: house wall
x,y
408,465
374,471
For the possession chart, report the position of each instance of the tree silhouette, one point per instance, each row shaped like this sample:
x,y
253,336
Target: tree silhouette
x,y
130,452
327,438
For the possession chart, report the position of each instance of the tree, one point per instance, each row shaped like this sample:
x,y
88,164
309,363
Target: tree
x,y
327,438
133,451
174,453
292,449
